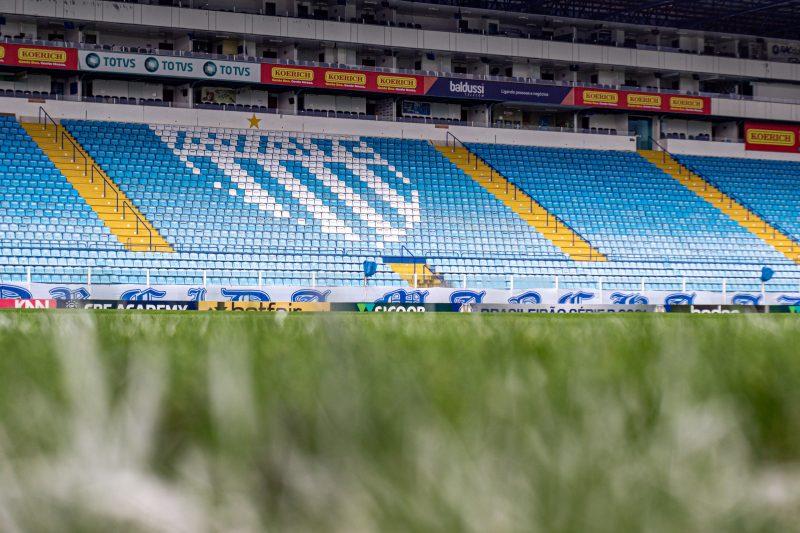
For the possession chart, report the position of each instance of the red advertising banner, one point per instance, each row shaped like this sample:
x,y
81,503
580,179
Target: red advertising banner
x,y
352,80
640,101
27,304
23,55
772,137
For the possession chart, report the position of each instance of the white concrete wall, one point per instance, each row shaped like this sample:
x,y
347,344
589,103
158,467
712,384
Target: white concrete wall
x,y
752,109
329,102
616,121
252,97
776,90
722,149
127,89
726,131
29,82
230,119
686,127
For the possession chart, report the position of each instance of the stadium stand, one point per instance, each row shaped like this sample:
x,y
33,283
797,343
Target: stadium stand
x,y
42,215
278,208
625,205
745,180
742,213
631,210
239,191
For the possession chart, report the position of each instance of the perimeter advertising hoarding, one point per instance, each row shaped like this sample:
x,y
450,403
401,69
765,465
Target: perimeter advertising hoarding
x,y
50,57
155,305
351,80
268,307
394,307
28,303
640,101
559,309
170,66
733,309
772,137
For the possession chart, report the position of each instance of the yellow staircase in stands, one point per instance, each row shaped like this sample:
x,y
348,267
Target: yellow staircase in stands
x,y
572,244
416,274
104,196
728,205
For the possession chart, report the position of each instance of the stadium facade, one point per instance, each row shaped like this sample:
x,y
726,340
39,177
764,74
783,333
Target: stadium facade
x,y
472,151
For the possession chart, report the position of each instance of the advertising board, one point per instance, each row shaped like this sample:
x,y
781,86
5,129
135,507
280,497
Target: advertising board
x,y
559,309
267,307
394,307
642,101
34,303
768,137
156,305
352,80
169,66
50,57
498,90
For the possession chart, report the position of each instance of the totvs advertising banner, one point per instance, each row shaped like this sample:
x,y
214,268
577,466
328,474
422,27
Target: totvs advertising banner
x,y
170,66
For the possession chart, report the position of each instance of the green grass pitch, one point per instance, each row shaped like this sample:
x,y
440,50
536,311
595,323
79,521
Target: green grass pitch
x,y
126,421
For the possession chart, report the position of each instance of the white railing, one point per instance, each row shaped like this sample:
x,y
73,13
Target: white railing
x,y
503,281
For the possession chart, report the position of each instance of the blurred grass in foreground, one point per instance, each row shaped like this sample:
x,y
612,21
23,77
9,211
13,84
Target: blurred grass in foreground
x,y
214,422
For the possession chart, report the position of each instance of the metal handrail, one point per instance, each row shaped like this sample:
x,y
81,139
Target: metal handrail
x,y
314,251
424,277
776,227
548,215
90,168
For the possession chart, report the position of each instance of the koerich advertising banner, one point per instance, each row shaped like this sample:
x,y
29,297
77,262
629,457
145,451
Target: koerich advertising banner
x,y
171,66
23,55
639,101
352,80
772,137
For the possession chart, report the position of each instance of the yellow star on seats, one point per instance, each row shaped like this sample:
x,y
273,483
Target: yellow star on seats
x,y
255,122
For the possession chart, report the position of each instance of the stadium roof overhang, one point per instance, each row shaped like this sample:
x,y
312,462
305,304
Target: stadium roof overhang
x,y
763,18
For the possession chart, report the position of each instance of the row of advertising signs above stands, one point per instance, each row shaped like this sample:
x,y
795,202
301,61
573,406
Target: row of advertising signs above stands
x,y
388,83
758,136
342,79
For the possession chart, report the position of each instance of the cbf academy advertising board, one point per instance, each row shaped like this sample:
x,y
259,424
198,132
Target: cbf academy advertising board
x,y
168,66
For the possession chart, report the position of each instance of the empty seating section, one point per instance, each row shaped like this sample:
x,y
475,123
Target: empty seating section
x,y
634,213
229,203
331,201
44,223
461,217
626,206
770,188
247,206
